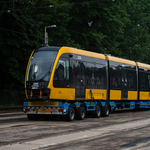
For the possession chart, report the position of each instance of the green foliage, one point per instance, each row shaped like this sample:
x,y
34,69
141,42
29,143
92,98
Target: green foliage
x,y
135,44
19,35
120,28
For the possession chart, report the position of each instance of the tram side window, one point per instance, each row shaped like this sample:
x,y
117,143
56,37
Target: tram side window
x,y
115,77
61,76
80,73
95,75
129,78
132,84
100,76
90,75
144,80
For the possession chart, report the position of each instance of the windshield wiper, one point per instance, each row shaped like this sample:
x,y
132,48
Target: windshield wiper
x,y
48,72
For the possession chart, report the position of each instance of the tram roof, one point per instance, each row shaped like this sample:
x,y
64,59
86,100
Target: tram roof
x,y
81,52
142,65
121,60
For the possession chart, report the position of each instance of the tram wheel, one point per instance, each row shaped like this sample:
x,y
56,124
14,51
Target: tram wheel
x,y
106,111
81,113
97,112
71,114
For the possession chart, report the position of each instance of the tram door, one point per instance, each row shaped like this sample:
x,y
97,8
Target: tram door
x,y
80,79
124,91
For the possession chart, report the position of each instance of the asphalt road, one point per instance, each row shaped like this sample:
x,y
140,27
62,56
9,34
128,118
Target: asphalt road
x,y
123,129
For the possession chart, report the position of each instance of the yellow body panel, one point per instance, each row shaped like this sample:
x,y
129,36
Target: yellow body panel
x,y
132,95
62,93
144,96
115,94
121,60
42,104
96,94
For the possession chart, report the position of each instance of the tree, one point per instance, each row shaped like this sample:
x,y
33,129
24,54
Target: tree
x,y
136,40
98,25
19,35
120,28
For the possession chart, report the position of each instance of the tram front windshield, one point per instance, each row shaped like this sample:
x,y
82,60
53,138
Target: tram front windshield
x,y
40,65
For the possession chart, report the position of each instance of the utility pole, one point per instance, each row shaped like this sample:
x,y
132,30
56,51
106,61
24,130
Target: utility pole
x,y
46,34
